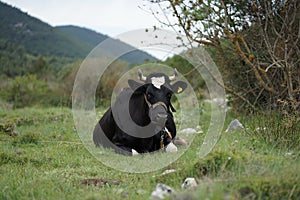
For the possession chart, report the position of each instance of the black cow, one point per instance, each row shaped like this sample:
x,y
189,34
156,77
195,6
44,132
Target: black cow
x,y
140,120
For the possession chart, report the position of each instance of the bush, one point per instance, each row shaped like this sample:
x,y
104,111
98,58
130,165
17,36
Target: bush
x,y
25,91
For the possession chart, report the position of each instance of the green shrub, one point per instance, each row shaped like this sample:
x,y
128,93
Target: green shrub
x,y
8,127
25,91
217,162
276,128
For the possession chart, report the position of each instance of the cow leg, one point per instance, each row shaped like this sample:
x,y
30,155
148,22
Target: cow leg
x,y
134,152
120,149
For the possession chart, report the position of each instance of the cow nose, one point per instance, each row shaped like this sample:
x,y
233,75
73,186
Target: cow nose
x,y
158,115
162,116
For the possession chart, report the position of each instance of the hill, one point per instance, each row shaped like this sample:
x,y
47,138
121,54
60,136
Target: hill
x,y
39,38
82,34
91,39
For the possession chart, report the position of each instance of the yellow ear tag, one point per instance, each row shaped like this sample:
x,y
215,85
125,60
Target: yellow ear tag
x,y
179,90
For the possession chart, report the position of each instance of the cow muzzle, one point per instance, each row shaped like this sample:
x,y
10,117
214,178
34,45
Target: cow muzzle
x,y
158,112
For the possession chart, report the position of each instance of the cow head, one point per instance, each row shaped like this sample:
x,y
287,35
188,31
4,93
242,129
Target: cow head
x,y
158,90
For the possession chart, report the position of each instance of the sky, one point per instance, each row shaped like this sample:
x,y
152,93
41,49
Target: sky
x,y
110,17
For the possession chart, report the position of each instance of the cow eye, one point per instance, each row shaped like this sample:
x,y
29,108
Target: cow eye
x,y
169,95
149,95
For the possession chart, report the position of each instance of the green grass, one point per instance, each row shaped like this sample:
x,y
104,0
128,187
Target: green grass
x,y
47,160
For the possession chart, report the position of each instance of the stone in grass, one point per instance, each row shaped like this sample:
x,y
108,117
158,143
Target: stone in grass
x,y
189,183
234,125
180,141
168,171
188,131
199,129
161,191
191,130
171,148
289,154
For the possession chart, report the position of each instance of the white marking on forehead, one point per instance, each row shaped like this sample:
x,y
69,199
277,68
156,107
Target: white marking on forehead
x,y
158,81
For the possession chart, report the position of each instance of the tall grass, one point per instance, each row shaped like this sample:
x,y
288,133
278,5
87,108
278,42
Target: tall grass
x,y
276,128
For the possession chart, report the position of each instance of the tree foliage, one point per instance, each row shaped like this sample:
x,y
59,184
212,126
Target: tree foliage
x,y
255,44
186,68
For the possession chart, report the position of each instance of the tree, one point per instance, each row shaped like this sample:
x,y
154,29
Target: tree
x,y
255,43
40,67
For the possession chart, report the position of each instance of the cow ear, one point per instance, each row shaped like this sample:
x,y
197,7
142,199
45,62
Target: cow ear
x,y
178,87
134,85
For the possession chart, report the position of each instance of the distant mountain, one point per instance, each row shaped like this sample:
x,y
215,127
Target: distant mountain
x,y
92,39
83,35
39,38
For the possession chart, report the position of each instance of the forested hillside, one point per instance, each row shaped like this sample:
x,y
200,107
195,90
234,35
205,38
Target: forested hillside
x,y
83,35
21,31
35,56
37,37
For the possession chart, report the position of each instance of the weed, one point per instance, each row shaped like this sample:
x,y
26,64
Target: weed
x,y
28,138
9,128
277,129
217,162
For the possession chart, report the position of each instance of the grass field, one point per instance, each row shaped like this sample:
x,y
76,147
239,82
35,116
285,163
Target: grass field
x,y
47,160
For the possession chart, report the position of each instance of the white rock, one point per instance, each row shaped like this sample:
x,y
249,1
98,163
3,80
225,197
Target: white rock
x,y
188,131
207,101
168,171
199,129
171,148
189,183
289,154
161,191
234,125
221,102
134,152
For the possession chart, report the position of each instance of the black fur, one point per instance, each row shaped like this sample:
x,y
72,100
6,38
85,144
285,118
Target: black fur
x,y
107,132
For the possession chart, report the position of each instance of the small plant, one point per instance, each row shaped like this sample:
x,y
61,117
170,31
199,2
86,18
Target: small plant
x,y
29,138
8,128
281,129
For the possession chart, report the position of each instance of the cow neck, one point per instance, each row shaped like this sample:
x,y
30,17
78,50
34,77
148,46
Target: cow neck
x,y
139,115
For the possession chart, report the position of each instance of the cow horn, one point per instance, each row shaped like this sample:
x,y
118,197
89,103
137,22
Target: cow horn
x,y
172,78
141,76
